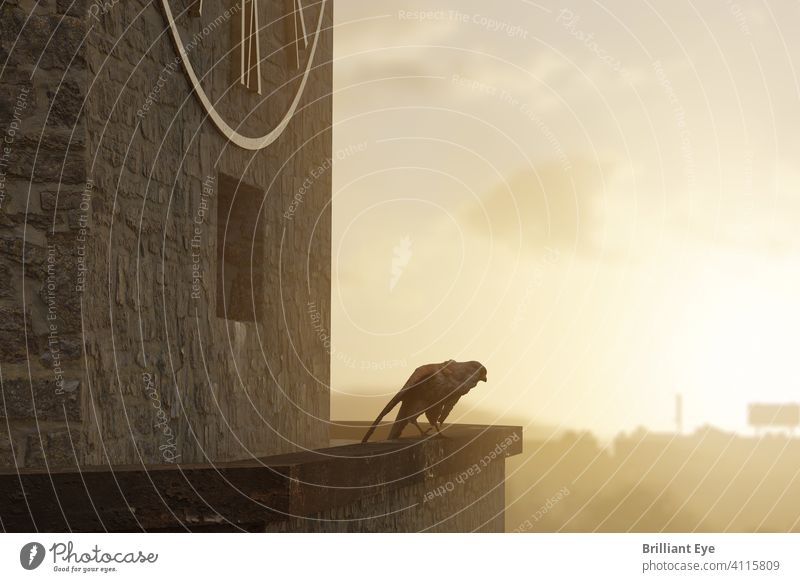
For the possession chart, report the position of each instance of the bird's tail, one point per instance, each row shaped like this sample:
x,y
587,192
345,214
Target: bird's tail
x,y
386,410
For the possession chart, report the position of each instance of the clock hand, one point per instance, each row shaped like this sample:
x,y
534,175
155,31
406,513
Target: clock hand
x,y
298,12
302,22
250,44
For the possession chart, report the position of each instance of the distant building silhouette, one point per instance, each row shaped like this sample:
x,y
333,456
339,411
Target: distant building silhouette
x,y
711,480
761,416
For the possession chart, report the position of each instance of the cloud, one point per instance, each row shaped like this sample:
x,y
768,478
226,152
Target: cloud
x,y
753,209
553,205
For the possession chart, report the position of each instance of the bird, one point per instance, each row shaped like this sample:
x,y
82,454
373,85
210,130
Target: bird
x,y
433,390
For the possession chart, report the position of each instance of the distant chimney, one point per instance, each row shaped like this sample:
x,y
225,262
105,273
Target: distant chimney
x,y
679,414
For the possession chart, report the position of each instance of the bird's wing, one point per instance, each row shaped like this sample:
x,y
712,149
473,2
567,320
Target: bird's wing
x,y
432,413
457,383
448,407
386,410
414,384
409,410
424,374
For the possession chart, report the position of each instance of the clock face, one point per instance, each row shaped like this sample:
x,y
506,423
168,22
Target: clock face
x,y
248,61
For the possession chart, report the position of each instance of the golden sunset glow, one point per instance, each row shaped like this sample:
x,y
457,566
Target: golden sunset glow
x,y
601,206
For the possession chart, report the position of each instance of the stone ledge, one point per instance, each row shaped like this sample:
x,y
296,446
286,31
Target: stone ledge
x,y
241,495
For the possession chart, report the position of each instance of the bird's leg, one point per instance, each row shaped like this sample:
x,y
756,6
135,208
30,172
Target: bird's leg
x,y
419,428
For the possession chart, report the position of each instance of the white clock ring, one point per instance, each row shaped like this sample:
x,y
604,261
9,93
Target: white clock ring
x,y
243,141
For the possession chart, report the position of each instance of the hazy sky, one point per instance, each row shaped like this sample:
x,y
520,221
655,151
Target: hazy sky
x,y
599,201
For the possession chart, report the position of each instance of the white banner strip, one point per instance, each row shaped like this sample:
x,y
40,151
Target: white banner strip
x,y
349,557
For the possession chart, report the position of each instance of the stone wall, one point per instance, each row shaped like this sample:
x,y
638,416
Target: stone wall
x,y
447,503
113,349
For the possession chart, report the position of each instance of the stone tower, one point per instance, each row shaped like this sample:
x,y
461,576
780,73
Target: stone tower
x,y
165,223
